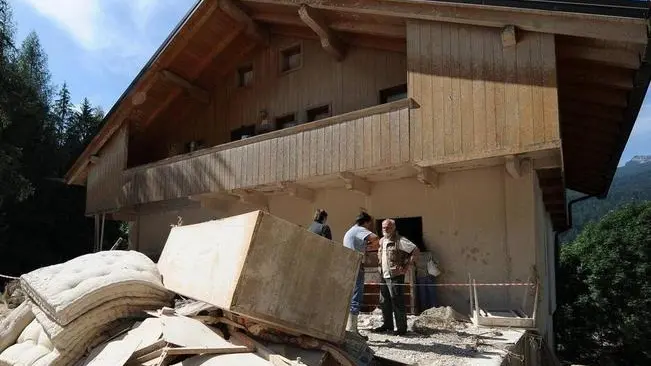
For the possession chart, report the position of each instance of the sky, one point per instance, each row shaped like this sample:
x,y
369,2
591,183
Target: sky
x,y
98,46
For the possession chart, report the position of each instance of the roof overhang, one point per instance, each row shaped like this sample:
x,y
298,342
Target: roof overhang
x,y
614,23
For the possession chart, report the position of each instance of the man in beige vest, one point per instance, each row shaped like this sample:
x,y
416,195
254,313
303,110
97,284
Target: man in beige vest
x,y
396,255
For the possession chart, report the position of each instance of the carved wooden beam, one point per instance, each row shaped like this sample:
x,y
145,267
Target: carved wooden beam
x,y
329,39
298,191
513,166
427,176
253,29
355,183
196,92
509,36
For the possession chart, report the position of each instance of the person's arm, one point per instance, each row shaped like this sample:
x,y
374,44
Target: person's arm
x,y
327,232
372,241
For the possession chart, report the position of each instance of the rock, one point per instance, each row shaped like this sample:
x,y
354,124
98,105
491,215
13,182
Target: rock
x,y
435,320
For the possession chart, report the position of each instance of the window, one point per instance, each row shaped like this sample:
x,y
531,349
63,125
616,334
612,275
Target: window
x,y
394,93
291,58
286,121
318,113
245,76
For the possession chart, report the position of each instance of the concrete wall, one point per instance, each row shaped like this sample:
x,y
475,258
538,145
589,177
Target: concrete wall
x,y
481,222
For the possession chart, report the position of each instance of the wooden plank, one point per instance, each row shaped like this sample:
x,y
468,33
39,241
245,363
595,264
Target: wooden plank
x,y
537,90
287,156
292,158
492,79
404,135
477,41
187,332
574,24
358,135
300,153
327,146
385,152
511,110
438,101
465,60
603,56
376,131
426,80
415,91
336,142
524,70
550,94
394,121
448,102
456,89
368,141
314,152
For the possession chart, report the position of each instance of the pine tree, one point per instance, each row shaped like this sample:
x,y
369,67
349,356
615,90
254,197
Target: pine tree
x,y
62,111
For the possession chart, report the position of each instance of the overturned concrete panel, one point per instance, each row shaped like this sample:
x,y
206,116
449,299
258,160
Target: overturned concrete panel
x,y
265,268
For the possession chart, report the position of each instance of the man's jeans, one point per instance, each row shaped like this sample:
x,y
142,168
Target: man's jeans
x,y
426,294
392,300
358,294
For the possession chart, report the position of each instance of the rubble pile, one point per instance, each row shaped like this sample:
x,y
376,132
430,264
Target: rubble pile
x,y
437,319
116,307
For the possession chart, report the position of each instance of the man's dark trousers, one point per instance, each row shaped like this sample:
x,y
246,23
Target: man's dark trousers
x,y
392,300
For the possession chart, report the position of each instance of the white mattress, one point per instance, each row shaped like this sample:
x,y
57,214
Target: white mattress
x,y
66,291
63,336
13,325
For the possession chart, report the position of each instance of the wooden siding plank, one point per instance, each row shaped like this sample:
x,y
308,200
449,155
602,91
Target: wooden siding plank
x,y
299,156
438,102
511,97
376,131
415,92
456,89
385,149
404,135
336,142
307,149
359,143
489,44
368,141
314,152
281,151
292,158
467,125
287,156
394,118
446,90
550,92
351,145
537,99
427,88
477,41
523,64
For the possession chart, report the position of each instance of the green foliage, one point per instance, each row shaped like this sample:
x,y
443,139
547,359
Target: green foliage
x,y
632,183
42,220
604,292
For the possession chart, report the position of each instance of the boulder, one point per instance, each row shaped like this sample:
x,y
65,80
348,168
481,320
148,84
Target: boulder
x,y
437,319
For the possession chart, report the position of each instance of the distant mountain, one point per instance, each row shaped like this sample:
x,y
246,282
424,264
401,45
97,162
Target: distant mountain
x,y
632,183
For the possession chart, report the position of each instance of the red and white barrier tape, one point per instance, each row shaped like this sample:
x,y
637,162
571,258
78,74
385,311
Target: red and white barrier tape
x,y
454,284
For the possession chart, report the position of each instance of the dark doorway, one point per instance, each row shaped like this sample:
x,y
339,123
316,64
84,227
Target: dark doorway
x,y
409,227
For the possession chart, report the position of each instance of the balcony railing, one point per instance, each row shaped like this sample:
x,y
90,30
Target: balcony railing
x,y
358,142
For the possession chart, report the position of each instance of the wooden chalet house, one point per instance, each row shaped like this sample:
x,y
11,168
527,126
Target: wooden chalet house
x,y
467,121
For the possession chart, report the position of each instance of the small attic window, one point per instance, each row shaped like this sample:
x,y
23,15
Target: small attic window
x,y
245,76
318,113
291,58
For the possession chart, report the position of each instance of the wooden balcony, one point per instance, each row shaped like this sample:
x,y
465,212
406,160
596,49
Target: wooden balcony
x,y
348,149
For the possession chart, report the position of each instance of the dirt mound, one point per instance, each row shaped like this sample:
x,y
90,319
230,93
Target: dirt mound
x,y
435,320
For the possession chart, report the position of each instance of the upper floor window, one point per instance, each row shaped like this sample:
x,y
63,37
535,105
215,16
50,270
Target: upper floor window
x,y
318,113
291,58
245,76
285,121
393,93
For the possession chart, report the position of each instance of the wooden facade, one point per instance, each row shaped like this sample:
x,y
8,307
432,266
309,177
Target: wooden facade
x,y
105,181
357,142
478,98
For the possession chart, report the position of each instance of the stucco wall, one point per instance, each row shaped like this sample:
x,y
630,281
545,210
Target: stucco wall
x,y
481,222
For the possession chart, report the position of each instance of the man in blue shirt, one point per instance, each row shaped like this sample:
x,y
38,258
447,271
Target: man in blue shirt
x,y
358,238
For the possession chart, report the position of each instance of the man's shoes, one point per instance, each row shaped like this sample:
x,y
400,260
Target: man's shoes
x,y
400,332
381,329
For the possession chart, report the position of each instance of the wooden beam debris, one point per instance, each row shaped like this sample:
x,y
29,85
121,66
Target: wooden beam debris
x,y
509,36
253,29
355,183
196,92
329,39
